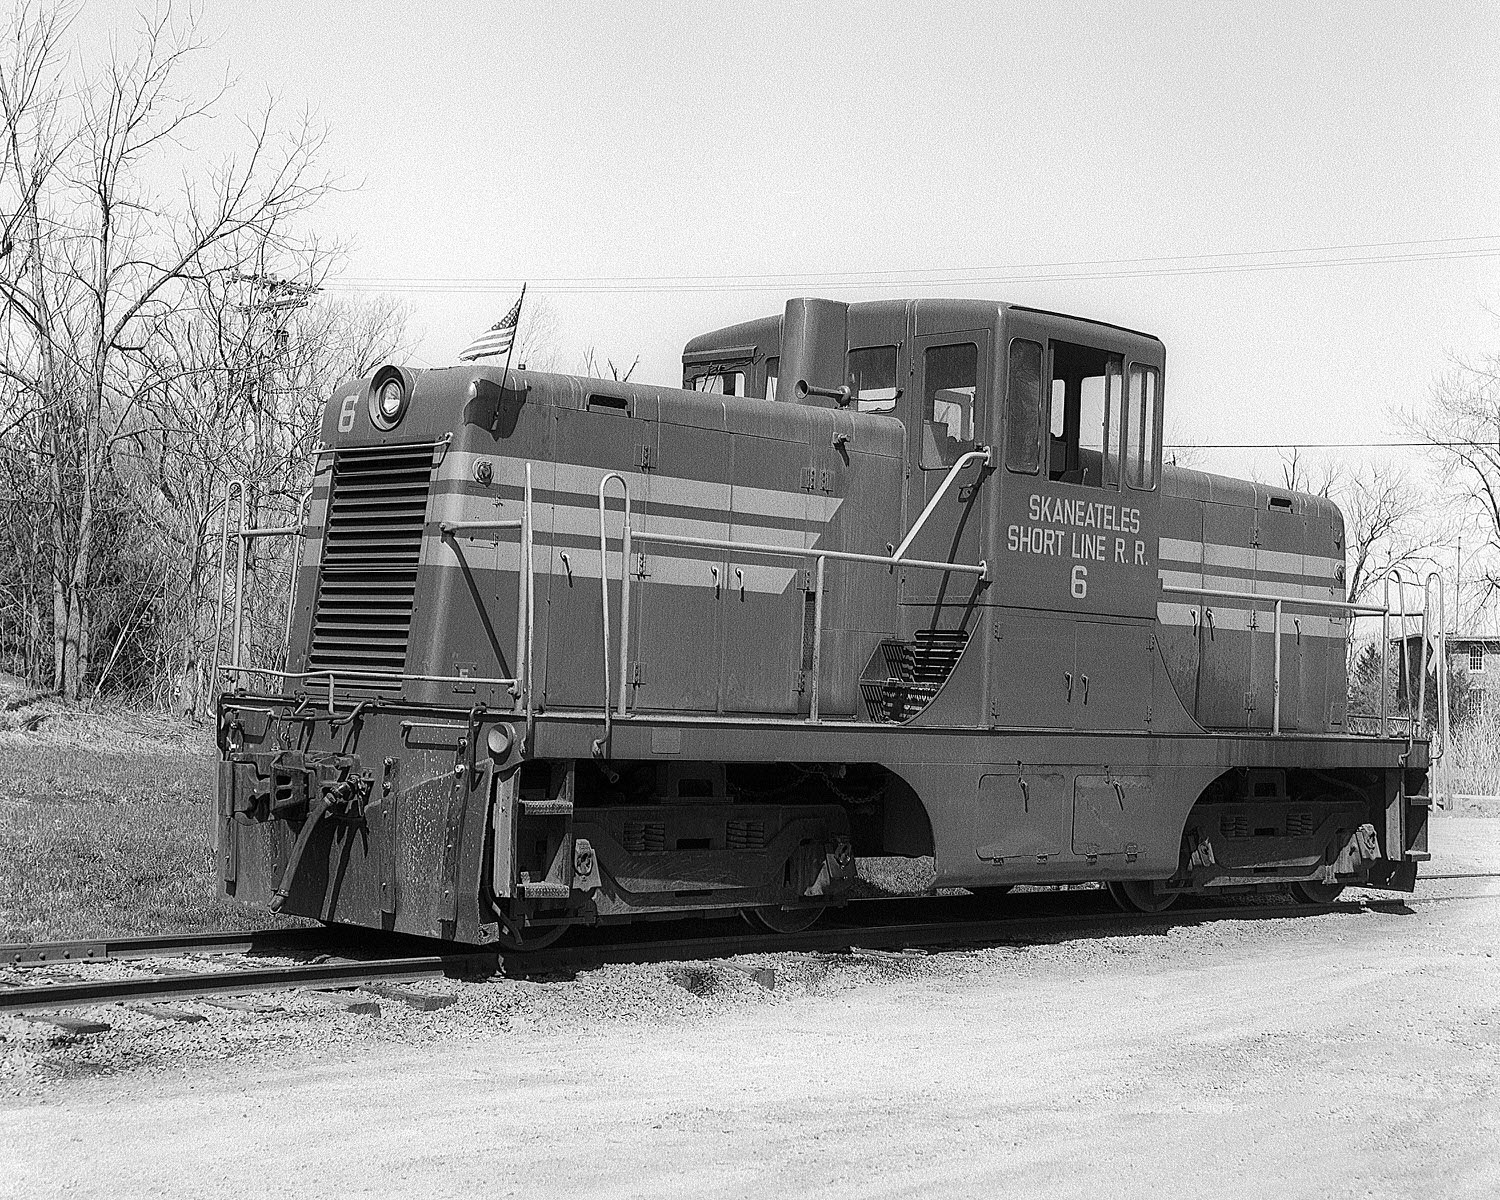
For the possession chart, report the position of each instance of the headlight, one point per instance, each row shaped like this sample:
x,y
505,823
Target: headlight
x,y
389,392
392,397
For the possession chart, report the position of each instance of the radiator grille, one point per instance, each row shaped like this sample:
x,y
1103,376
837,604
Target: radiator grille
x,y
372,544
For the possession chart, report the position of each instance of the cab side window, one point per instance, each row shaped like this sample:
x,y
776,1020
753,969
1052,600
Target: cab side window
x,y
1142,466
951,377
1086,411
872,377
1023,408
721,383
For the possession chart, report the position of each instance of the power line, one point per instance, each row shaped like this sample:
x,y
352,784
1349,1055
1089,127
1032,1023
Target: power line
x,y
1352,254
1326,445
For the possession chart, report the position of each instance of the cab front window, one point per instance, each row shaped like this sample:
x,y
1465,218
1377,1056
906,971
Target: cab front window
x,y
1086,410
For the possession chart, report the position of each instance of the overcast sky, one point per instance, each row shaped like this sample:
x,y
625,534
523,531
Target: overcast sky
x,y
629,141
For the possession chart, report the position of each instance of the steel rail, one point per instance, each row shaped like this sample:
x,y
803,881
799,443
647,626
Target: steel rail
x,y
472,961
189,985
165,945
927,934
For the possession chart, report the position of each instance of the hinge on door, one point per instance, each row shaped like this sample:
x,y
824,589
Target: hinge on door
x,y
641,571
809,479
1250,700
825,481
1253,623
804,579
645,457
637,673
801,681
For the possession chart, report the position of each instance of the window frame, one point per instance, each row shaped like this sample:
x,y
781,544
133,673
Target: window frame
x,y
1473,651
895,388
1127,429
967,338
1108,428
1040,415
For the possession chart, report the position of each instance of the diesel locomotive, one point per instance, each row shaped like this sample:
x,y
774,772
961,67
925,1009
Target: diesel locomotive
x,y
900,578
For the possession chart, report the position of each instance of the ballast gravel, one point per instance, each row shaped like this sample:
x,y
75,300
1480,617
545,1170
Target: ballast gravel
x,y
1347,1053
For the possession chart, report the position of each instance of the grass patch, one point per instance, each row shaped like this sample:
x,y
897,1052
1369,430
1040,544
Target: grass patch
x,y
102,837
1475,750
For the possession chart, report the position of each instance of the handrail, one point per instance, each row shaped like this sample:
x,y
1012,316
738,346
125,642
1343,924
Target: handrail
x,y
980,569
527,584
1277,606
237,482
244,535
1343,605
602,747
386,676
291,589
983,452
1440,672
448,528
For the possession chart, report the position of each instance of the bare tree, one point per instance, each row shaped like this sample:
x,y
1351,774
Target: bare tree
x,y
110,261
1388,522
537,338
1462,422
596,370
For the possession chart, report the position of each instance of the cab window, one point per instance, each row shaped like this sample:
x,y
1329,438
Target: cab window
x,y
951,377
773,372
872,377
1142,466
1023,408
721,383
1085,416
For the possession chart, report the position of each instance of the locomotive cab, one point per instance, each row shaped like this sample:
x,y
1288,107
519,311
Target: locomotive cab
x,y
1063,510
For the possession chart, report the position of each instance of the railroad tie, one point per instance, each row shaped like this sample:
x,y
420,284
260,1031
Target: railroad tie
x,y
74,1025
353,1002
166,1012
411,997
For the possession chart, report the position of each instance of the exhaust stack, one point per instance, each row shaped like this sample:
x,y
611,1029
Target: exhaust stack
x,y
814,349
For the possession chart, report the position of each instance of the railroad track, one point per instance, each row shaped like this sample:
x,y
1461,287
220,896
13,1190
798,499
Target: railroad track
x,y
223,963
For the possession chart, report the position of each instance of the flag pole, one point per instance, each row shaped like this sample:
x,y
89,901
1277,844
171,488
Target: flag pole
x,y
515,333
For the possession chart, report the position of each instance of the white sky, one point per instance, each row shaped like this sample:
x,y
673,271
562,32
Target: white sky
x,y
546,140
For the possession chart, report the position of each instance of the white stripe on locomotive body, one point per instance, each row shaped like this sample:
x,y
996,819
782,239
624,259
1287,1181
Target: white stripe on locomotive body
x,y
724,499
565,500
1237,570
1248,558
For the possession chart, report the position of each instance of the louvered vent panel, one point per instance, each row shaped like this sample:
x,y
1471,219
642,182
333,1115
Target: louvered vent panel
x,y
745,835
644,836
372,545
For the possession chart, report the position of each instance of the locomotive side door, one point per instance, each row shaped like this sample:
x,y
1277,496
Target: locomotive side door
x,y
950,386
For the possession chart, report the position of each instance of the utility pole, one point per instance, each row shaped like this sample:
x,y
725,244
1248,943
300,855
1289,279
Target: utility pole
x,y
267,307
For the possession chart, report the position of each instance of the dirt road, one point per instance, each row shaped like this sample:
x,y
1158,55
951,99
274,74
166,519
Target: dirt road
x,y
1347,1055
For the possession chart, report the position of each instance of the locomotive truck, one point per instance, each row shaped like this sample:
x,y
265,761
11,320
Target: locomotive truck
x,y
899,578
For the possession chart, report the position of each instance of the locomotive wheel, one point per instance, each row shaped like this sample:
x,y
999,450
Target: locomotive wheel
x,y
1316,893
772,918
1138,895
521,940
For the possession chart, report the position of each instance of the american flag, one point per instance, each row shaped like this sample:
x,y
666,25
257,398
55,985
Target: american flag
x,y
498,337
